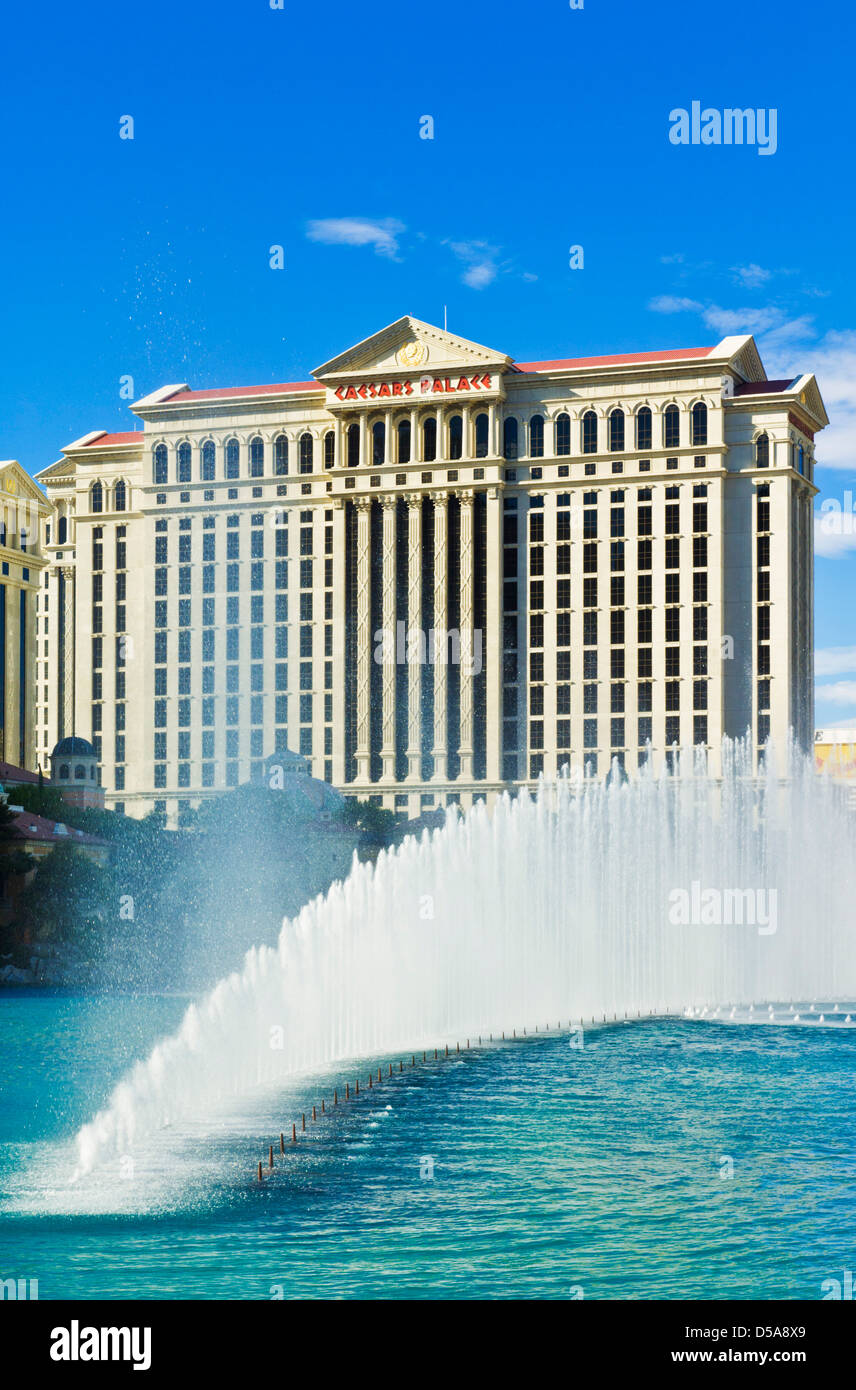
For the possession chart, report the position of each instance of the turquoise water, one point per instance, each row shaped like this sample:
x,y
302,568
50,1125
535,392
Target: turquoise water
x,y
557,1171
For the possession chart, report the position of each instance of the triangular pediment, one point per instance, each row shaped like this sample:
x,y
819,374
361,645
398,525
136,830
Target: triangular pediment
x,y
811,399
409,345
15,481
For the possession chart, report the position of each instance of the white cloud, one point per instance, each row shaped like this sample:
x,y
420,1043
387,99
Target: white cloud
x,y
837,693
674,304
835,661
831,545
727,321
750,276
480,260
358,231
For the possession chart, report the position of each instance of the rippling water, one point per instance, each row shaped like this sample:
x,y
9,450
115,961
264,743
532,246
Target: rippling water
x,y
557,1170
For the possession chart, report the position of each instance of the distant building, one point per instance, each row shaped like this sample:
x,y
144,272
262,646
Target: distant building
x,y
835,753
74,772
23,512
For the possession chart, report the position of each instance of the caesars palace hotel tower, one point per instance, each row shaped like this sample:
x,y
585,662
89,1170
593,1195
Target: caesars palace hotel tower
x,y
432,572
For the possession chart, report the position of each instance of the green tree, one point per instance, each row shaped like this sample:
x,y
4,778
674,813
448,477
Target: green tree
x,y
65,902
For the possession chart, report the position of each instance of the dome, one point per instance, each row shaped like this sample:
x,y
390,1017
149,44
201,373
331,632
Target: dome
x,y
74,745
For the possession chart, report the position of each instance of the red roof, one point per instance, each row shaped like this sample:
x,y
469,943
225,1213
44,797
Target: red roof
x,y
223,391
31,827
615,361
105,440
10,773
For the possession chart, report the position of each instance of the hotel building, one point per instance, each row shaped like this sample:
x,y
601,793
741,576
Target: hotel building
x,y
433,572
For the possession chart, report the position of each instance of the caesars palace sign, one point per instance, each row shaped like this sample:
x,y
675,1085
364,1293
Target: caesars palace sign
x,y
426,385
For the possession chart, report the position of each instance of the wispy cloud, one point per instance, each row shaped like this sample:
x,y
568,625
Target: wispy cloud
x,y
480,261
674,304
835,661
828,543
750,276
382,235
837,693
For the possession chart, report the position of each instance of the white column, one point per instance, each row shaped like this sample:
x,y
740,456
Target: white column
x,y
414,630
389,452
465,432
68,653
441,450
493,655
389,647
466,636
338,642
441,646
414,435
364,440
363,637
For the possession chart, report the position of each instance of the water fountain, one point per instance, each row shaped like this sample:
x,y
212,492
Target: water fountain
x,y
585,900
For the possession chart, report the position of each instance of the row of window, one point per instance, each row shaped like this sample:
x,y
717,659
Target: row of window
x,y
513,431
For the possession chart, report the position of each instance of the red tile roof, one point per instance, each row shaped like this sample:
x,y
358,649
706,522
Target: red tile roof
x,y
617,360
10,773
106,441
224,391
31,827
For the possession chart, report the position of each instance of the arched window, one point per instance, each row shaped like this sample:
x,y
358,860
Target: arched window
x,y
378,443
330,449
161,465
306,452
119,496
644,431
671,427
280,455
79,772
589,432
92,773
800,459
563,433
762,451
404,441
257,457
616,431
96,497
233,458
429,439
353,446
62,530
208,461
482,436
698,425
64,771
184,462
456,437
536,437
509,437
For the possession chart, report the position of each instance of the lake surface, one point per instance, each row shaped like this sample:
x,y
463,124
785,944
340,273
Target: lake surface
x,y
662,1159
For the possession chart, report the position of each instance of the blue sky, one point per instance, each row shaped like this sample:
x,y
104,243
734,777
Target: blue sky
x,y
300,127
